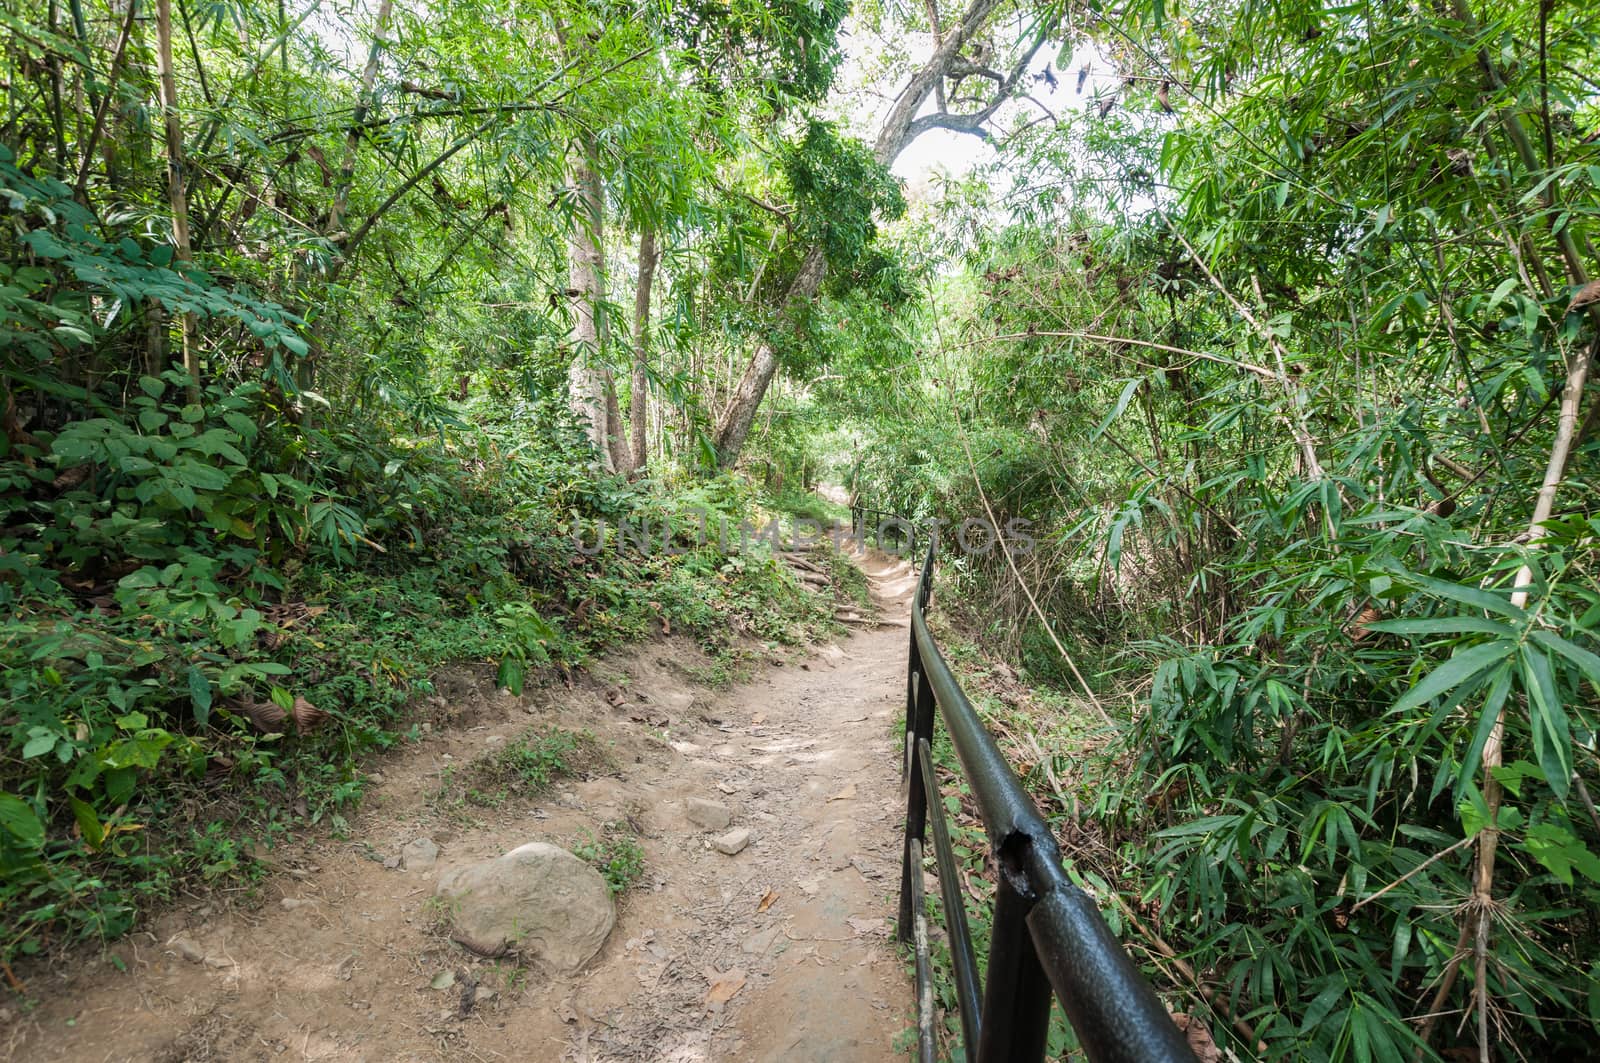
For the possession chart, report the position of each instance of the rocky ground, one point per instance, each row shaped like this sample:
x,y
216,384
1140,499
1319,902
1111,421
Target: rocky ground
x,y
767,815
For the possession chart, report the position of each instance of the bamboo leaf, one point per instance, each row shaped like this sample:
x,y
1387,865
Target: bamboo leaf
x,y
1128,391
18,819
1587,662
1552,739
1476,597
1499,687
1461,666
1445,625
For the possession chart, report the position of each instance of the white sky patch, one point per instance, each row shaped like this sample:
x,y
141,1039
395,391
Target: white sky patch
x,y
864,95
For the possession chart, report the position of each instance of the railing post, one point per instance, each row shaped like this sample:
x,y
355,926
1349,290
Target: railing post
x,y
919,726
907,762
1016,1000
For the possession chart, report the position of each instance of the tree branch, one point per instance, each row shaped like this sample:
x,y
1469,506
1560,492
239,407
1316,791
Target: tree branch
x,y
973,122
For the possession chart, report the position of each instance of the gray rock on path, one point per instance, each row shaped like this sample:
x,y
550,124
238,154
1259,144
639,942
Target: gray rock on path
x,y
538,900
419,854
732,843
709,815
672,700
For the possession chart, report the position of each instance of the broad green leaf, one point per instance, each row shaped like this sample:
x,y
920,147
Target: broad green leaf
x,y
1560,852
19,820
510,674
1499,688
42,742
1128,390
1587,662
1552,742
1476,597
88,822
1444,625
1461,666
1504,289
200,695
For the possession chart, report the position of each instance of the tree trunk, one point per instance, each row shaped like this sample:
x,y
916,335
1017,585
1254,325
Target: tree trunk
x,y
899,129
616,442
177,198
734,425
586,379
639,399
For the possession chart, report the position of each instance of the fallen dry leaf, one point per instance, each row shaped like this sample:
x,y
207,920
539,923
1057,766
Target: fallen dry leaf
x,y
1199,1038
265,716
846,794
766,900
307,717
1589,293
724,987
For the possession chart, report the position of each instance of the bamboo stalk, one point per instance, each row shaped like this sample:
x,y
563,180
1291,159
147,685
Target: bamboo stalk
x,y
82,183
369,78
177,196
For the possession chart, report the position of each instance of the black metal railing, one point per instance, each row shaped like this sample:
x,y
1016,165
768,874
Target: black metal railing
x,y
870,525
1046,936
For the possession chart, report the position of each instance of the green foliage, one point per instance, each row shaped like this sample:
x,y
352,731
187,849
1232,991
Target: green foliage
x,y
791,44
617,855
88,282
526,767
166,566
841,193
372,470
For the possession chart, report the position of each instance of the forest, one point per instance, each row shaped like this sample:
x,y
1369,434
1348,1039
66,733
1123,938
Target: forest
x,y
330,326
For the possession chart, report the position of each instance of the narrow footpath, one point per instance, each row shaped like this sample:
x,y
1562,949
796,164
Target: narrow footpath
x,y
781,951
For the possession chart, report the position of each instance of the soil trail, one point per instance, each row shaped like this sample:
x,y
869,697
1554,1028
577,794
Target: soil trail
x,y
781,952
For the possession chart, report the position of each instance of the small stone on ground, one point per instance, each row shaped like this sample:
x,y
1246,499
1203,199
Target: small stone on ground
x,y
711,815
733,842
419,854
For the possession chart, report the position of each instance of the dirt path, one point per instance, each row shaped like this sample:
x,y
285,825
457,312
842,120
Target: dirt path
x,y
337,957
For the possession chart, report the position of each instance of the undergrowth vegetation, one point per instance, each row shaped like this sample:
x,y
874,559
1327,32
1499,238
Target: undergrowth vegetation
x,y
616,854
1283,345
217,606
307,381
528,765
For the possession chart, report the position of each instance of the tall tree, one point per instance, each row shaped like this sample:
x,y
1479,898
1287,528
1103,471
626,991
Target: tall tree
x,y
639,392
903,125
369,80
588,388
